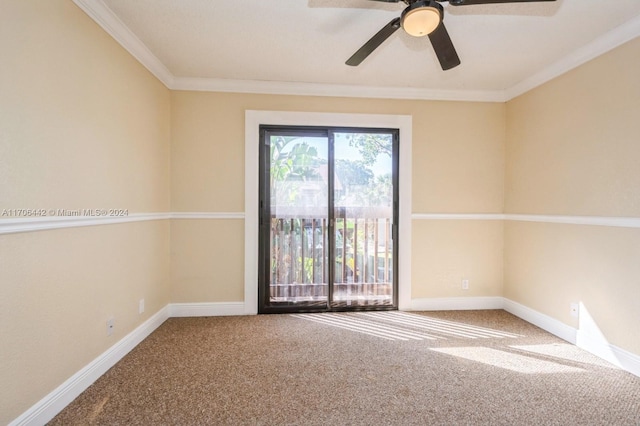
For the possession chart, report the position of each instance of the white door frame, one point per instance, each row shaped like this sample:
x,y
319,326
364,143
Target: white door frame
x,y
253,120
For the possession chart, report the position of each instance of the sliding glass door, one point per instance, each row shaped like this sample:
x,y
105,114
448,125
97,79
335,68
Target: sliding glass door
x,y
328,219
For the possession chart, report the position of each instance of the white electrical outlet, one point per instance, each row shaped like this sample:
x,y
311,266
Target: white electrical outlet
x,y
575,310
141,306
111,323
465,284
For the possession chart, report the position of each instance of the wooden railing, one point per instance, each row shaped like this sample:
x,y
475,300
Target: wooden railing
x,y
362,261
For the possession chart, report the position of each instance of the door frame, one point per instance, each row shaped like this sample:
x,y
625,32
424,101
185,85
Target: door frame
x,y
253,120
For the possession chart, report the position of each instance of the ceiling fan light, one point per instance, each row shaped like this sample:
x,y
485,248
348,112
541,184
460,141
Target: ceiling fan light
x,y
421,21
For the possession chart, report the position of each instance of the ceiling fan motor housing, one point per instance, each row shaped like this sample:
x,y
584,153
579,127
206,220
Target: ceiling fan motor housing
x,y
421,17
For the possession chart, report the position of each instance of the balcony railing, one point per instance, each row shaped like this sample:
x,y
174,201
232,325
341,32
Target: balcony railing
x,y
362,257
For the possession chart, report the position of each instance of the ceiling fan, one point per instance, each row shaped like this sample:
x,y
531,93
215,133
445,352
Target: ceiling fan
x,y
423,18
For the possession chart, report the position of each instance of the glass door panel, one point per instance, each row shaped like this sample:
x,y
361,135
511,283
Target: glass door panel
x,y
298,220
363,212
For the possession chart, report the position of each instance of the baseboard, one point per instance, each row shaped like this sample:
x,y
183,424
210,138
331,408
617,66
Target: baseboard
x,y
206,309
456,303
598,346
47,408
611,353
541,320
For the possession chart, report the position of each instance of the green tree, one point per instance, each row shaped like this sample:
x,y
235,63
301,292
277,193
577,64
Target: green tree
x,y
371,145
379,192
353,173
299,161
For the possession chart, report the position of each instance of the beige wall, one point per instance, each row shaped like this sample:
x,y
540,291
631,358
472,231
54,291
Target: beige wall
x,y
207,261
445,252
82,126
458,167
572,149
457,148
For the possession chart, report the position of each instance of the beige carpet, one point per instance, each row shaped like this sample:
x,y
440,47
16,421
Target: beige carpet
x,y
392,368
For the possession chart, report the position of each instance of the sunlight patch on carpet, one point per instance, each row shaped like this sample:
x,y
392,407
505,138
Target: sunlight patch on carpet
x,y
509,360
567,352
439,326
393,325
360,324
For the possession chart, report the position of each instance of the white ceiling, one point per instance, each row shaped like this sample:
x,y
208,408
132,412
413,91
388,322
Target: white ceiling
x,y
294,46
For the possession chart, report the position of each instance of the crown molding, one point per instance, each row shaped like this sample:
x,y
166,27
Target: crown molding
x,y
103,16
334,90
603,44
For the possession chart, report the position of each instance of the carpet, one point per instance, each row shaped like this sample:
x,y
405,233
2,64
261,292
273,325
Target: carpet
x,y
358,368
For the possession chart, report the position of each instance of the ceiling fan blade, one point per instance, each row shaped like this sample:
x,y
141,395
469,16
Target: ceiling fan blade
x,y
374,42
472,2
443,46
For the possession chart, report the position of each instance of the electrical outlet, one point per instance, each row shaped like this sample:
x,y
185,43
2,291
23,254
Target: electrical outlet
x,y
575,309
111,323
465,284
141,306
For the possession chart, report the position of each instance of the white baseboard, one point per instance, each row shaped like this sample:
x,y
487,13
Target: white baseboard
x,y
206,309
47,408
456,303
541,320
611,353
598,346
